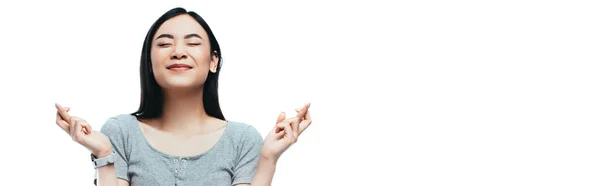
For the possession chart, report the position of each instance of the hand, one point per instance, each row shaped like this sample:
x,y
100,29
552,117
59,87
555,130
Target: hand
x,y
285,133
82,133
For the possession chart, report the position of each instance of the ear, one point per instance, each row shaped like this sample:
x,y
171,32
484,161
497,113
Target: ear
x,y
214,62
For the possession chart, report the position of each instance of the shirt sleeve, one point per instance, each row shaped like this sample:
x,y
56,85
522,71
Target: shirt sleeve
x,y
113,129
248,155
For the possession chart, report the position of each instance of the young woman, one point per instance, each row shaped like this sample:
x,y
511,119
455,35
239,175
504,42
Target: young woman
x,y
179,135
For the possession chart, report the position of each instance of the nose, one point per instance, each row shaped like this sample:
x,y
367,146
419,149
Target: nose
x,y
179,53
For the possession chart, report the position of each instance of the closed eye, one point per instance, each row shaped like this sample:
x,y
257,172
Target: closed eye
x,y
164,44
194,44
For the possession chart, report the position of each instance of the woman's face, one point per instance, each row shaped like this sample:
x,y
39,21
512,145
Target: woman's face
x,y
180,54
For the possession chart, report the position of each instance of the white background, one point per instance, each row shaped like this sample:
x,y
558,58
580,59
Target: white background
x,y
403,93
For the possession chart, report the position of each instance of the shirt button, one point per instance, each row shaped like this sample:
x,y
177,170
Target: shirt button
x,y
183,161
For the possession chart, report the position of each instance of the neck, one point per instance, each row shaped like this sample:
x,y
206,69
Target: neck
x,y
183,111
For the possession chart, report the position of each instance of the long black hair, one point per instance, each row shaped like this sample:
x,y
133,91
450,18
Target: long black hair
x,y
151,103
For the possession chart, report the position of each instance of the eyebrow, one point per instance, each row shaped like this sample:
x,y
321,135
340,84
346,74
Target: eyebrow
x,y
192,35
171,36
165,35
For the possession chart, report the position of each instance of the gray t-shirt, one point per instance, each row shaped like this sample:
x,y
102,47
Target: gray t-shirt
x,y
232,160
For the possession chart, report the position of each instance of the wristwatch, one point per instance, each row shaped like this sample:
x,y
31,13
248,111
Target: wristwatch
x,y
99,162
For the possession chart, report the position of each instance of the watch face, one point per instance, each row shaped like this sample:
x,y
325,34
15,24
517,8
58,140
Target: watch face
x,y
111,158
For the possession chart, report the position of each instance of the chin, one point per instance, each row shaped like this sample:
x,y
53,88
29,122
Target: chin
x,y
182,85
179,83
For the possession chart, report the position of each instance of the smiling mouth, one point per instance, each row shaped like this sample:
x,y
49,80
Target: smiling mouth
x,y
179,67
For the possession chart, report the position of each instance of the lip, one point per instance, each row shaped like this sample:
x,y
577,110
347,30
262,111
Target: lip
x,y
179,67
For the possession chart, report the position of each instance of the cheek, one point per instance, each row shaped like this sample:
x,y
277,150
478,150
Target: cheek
x,y
200,55
157,59
158,56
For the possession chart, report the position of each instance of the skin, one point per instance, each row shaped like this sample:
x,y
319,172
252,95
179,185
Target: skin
x,y
182,40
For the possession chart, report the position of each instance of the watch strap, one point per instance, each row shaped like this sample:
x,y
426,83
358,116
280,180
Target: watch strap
x,y
99,162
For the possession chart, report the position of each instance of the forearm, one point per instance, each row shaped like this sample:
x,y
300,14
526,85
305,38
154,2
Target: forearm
x,y
264,172
107,176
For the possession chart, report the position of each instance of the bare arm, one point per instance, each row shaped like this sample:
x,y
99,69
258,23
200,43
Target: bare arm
x,y
107,175
264,173
281,137
82,133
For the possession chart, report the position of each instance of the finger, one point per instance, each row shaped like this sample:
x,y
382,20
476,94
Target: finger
x,y
77,132
296,125
63,112
279,134
62,123
307,115
277,129
302,111
289,120
296,128
75,122
281,117
72,125
58,116
290,134
282,125
301,114
306,106
305,110
306,122
286,122
87,128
